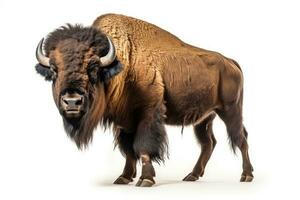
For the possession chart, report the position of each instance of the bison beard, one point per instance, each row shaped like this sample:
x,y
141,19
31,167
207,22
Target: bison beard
x,y
81,130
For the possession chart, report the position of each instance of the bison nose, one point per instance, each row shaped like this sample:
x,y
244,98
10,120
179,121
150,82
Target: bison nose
x,y
72,103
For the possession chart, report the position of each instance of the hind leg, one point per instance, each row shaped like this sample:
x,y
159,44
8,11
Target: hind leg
x,y
247,175
205,137
125,142
237,133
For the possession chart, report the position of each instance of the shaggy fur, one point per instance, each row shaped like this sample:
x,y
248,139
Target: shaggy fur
x,y
125,141
151,137
88,35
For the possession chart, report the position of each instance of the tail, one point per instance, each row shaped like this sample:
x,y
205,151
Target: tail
x,y
236,140
231,113
236,137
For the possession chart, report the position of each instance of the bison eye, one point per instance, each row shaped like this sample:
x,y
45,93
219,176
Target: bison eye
x,y
92,65
53,70
93,72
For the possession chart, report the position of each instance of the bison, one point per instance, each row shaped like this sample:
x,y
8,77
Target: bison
x,y
133,76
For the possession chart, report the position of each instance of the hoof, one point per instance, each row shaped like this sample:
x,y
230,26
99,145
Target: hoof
x,y
190,177
122,180
145,183
246,178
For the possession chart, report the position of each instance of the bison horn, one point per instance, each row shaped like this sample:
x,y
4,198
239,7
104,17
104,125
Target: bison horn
x,y
110,56
40,56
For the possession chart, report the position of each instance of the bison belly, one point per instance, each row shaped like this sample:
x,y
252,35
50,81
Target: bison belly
x,y
191,93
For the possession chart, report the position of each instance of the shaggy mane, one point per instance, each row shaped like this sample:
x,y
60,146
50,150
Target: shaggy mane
x,y
89,35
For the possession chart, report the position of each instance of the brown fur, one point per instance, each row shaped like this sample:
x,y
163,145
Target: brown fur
x,y
193,82
182,74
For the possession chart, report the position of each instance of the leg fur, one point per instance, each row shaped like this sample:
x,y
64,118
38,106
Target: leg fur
x,y
151,137
150,144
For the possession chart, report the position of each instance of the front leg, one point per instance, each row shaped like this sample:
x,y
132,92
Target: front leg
x,y
146,179
124,140
129,171
150,144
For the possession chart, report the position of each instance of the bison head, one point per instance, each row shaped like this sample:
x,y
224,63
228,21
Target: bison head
x,y
79,61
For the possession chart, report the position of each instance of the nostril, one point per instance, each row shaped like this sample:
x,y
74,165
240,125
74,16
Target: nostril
x,y
79,102
72,101
65,101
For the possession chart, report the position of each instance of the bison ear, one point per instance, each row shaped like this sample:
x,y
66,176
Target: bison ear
x,y
44,71
111,70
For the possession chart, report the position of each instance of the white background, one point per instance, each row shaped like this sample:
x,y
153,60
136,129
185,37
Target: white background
x,y
38,161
